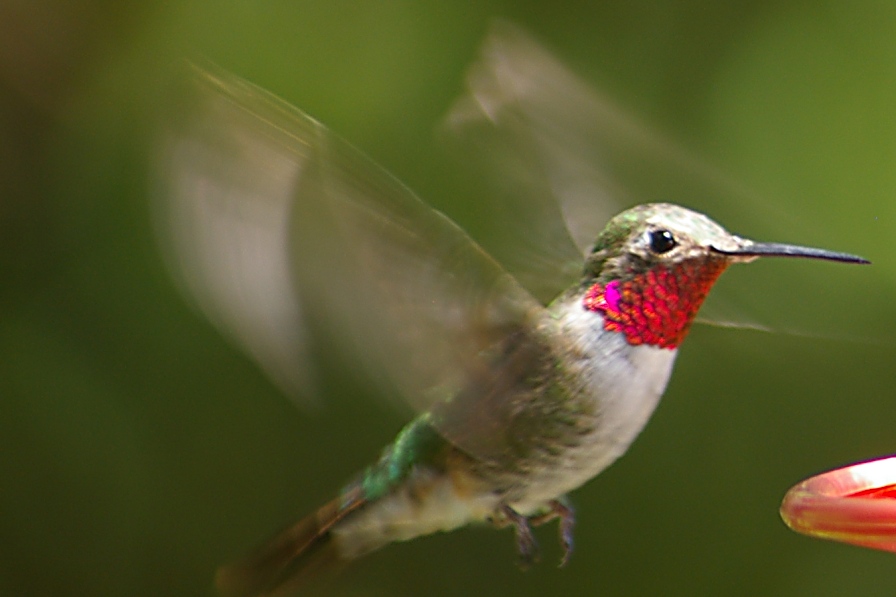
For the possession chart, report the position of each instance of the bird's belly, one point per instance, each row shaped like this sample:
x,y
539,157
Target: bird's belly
x,y
622,387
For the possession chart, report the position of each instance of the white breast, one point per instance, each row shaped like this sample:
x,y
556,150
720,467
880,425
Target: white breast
x,y
625,382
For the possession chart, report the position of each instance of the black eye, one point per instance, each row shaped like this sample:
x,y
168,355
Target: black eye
x,y
662,241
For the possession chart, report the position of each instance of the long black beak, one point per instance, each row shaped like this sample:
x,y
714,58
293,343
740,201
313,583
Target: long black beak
x,y
754,249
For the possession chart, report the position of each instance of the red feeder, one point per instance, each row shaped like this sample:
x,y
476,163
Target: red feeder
x,y
854,504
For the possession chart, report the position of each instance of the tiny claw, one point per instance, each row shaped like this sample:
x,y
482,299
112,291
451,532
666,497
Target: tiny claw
x,y
567,524
525,540
562,510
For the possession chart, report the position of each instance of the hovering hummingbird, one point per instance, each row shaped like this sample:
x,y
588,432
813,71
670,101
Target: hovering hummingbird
x,y
522,399
567,389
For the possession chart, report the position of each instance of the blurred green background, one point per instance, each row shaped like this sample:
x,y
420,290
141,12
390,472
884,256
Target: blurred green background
x,y
140,449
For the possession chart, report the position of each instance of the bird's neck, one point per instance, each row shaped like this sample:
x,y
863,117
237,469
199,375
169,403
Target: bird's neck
x,y
655,307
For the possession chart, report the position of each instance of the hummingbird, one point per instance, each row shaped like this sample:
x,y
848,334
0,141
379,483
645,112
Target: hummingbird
x,y
565,390
521,399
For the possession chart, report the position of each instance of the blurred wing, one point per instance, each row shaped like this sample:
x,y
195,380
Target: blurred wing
x,y
560,159
225,184
274,224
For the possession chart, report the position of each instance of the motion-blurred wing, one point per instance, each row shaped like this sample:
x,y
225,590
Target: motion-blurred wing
x,y
273,223
225,184
560,159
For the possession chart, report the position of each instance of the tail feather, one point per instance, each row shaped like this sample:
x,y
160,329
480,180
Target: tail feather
x,y
291,557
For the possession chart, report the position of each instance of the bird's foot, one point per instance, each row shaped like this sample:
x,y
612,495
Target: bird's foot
x,y
525,539
562,510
